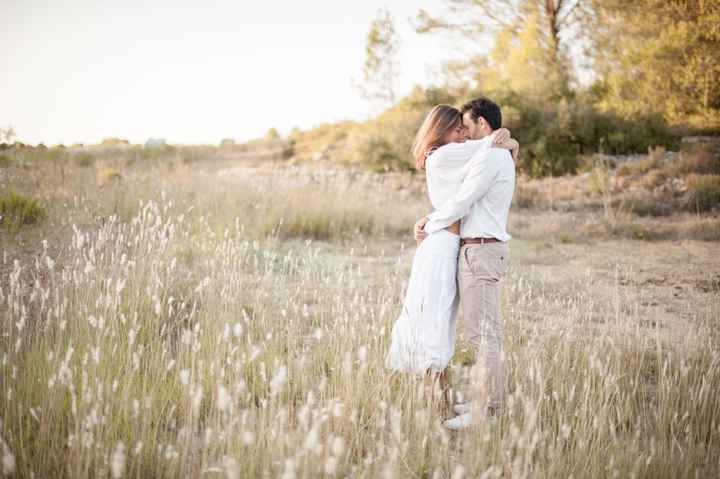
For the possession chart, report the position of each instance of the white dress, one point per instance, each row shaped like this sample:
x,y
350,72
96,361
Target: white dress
x,y
423,336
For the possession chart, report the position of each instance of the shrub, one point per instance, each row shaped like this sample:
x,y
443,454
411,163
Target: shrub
x,y
374,149
653,179
84,160
155,152
635,135
641,166
288,150
384,144
5,161
647,205
626,169
17,210
553,139
704,192
107,176
600,182
702,159
189,157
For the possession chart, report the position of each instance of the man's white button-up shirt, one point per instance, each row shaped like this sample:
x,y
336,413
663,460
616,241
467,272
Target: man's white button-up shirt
x,y
483,199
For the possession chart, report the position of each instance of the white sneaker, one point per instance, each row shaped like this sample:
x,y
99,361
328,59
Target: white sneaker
x,y
465,420
462,408
459,422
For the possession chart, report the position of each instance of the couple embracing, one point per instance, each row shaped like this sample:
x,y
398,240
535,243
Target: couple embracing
x,y
462,254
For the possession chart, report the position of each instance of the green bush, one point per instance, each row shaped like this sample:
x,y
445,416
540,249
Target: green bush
x,y
553,138
17,210
5,161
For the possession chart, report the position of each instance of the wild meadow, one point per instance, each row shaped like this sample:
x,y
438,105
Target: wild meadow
x,y
216,318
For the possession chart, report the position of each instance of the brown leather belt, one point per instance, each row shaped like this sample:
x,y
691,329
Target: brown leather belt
x,y
464,241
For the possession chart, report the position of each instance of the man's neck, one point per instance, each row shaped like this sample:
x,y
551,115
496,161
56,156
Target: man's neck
x,y
485,134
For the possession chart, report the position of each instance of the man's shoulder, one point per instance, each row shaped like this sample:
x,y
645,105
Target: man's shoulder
x,y
496,152
502,156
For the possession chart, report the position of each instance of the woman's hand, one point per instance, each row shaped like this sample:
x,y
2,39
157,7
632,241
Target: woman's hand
x,y
501,136
501,139
420,234
513,146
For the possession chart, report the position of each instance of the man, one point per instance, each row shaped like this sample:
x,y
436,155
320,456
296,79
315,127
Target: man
x,y
483,203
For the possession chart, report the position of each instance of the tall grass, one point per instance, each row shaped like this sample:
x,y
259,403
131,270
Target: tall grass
x,y
200,322
162,347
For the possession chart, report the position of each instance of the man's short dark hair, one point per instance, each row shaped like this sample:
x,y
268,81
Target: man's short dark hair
x,y
486,108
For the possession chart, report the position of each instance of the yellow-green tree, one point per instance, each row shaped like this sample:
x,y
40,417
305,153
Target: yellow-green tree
x,y
661,55
531,42
520,63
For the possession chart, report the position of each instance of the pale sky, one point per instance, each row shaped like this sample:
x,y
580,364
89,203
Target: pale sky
x,y
192,71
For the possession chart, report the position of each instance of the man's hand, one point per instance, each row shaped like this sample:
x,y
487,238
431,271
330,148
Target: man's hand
x,y
420,234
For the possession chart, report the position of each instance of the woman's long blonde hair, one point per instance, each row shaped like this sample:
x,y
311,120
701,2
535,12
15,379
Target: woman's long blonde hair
x,y
440,120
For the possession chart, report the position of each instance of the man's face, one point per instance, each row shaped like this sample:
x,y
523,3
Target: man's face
x,y
476,130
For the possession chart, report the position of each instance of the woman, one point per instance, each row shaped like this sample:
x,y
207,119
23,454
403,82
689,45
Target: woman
x,y
423,337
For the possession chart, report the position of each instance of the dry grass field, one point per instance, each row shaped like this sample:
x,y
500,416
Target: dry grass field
x,y
218,318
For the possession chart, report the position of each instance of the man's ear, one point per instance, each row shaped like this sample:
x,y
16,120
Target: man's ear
x,y
485,125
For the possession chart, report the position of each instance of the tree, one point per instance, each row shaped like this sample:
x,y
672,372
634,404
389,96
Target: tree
x,y
532,38
381,66
7,134
272,135
660,55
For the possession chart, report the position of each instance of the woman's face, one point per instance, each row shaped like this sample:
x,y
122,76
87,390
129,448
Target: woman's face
x,y
456,135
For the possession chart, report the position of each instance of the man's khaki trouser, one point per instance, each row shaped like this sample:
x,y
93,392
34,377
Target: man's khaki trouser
x,y
481,269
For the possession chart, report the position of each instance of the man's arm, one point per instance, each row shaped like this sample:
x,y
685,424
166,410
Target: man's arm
x,y
459,152
482,170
